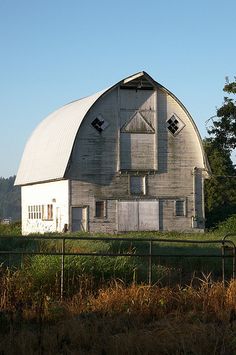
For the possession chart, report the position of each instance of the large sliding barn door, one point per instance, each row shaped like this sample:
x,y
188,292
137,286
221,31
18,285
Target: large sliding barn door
x,y
138,215
148,215
127,216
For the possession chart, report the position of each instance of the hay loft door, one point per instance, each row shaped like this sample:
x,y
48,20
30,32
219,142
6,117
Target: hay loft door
x,y
140,215
79,217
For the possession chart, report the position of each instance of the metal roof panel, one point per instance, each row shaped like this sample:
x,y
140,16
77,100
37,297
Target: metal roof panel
x,y
48,150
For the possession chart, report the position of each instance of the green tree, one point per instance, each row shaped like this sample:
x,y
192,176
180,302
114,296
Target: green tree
x,y
9,198
220,189
223,129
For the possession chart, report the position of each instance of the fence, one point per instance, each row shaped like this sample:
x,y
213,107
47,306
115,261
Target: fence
x,y
226,249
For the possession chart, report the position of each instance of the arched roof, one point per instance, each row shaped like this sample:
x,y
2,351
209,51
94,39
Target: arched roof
x,y
48,150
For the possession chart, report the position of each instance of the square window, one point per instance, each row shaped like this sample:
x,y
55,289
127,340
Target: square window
x,y
180,208
137,185
100,209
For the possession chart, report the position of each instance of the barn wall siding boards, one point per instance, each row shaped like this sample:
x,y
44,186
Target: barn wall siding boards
x,y
127,158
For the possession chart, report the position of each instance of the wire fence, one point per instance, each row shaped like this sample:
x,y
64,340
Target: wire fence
x,y
186,256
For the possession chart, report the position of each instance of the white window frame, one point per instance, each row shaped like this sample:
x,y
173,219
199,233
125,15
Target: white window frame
x,y
35,212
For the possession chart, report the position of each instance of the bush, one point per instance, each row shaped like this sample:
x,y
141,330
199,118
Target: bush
x,y
13,229
228,226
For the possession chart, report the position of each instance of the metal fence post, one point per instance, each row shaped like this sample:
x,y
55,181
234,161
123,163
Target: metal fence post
x,y
62,267
223,261
150,264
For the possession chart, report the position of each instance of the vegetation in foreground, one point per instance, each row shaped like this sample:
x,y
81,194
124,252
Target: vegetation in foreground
x,y
45,271
116,319
100,316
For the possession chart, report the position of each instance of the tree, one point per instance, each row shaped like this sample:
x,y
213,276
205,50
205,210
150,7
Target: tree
x,y
220,189
9,199
223,127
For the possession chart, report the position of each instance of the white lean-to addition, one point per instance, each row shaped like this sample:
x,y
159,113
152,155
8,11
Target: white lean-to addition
x,y
128,158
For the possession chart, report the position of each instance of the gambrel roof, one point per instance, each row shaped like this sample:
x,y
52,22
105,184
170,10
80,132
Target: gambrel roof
x,y
47,152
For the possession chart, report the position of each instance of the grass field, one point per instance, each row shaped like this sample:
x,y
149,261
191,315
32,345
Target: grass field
x,y
108,308
167,269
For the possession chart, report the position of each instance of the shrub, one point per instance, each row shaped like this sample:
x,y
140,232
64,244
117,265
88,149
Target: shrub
x,y
228,226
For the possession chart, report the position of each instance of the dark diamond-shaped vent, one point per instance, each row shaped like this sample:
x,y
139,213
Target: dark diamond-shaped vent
x,y
174,125
99,124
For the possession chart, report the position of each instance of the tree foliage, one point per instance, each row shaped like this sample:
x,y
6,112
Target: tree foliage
x,y
9,199
220,189
223,127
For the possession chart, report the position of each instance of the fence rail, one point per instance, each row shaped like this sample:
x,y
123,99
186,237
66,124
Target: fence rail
x,y
226,250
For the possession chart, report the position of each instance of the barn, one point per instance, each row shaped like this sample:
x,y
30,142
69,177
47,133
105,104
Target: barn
x,y
128,158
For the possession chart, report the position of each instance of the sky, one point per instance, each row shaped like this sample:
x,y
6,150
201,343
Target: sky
x,y
55,51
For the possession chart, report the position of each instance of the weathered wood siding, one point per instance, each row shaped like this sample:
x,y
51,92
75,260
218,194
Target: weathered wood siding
x,y
137,137
101,163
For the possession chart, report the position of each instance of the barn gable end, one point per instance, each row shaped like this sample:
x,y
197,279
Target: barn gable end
x,y
129,153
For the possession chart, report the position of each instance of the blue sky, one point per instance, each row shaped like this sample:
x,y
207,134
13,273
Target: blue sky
x,y
56,51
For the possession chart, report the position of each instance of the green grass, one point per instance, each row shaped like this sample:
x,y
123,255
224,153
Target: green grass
x,y
44,271
10,229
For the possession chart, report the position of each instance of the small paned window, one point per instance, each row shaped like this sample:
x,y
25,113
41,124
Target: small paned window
x,y
100,209
31,212
180,208
35,212
137,185
174,125
39,212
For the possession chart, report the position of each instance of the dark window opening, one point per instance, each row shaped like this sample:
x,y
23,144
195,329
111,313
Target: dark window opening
x,y
100,209
137,185
180,208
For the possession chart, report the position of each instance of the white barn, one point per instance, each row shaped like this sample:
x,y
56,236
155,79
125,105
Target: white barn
x,y
129,158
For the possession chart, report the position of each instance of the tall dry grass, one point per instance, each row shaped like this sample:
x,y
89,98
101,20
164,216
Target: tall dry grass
x,y
116,319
